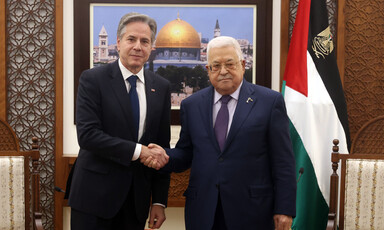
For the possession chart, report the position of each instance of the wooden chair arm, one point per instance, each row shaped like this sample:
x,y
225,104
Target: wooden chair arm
x,y
331,225
334,188
38,224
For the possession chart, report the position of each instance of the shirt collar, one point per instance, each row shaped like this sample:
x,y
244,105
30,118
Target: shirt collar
x,y
126,73
234,95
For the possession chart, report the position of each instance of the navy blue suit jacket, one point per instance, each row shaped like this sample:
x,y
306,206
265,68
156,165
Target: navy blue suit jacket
x,y
255,173
104,171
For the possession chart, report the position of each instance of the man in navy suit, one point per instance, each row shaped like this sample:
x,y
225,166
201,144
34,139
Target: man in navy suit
x,y
116,118
243,175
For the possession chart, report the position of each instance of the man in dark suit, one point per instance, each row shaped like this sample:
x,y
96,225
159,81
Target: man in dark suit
x,y
235,138
116,117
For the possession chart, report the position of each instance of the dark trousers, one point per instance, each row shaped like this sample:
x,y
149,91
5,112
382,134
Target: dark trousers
x,y
124,220
219,223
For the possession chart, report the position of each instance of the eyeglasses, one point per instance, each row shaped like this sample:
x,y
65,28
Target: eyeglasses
x,y
228,66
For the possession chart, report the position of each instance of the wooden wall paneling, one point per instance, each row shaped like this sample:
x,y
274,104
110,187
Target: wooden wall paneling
x,y
60,172
364,61
284,36
3,65
340,48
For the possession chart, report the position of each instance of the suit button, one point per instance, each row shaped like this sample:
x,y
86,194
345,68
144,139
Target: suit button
x,y
217,186
221,159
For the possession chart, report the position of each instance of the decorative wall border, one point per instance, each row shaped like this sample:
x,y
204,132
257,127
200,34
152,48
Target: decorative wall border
x,y
30,84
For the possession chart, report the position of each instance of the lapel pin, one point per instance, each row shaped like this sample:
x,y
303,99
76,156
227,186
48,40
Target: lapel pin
x,y
249,99
153,90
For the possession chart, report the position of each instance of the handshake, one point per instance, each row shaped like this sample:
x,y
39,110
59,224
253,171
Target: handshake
x,y
153,156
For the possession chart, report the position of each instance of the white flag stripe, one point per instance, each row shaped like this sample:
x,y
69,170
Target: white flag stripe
x,y
316,121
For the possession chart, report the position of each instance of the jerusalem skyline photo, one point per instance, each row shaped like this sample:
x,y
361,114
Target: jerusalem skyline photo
x,y
183,33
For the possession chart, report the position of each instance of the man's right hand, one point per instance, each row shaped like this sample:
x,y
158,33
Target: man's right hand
x,y
153,156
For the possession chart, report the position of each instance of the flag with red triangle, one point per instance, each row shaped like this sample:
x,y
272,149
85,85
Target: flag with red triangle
x,y
317,110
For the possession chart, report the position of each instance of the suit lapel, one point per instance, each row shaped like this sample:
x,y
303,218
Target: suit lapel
x,y
206,106
120,91
246,102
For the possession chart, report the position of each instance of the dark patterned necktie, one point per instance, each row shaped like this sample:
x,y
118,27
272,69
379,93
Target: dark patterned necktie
x,y
134,103
222,119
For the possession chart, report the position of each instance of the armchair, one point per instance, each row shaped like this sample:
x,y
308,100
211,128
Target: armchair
x,y
361,191
19,183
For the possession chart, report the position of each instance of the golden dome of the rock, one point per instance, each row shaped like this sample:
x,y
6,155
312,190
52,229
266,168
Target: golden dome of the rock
x,y
178,34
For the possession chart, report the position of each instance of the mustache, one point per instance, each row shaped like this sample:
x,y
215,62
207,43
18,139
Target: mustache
x,y
224,77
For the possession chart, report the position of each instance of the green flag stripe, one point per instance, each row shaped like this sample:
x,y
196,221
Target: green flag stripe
x,y
311,206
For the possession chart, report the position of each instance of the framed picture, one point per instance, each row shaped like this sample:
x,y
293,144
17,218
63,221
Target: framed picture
x,y
180,49
249,21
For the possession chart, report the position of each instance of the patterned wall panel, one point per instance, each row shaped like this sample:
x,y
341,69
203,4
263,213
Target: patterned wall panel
x,y
364,61
293,4
31,90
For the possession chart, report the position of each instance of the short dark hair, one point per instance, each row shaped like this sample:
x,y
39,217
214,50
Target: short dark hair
x,y
137,17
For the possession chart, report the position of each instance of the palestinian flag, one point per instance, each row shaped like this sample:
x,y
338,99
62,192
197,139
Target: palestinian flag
x,y
317,110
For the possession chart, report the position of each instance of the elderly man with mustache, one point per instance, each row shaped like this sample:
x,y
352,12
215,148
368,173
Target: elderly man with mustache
x,y
235,139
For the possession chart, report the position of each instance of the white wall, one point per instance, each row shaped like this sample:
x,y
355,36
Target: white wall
x,y
276,17
70,146
175,216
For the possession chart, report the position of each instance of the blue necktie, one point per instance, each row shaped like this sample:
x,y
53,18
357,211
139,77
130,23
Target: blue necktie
x,y
222,119
134,103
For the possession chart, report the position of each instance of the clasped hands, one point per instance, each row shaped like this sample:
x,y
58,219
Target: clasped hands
x,y
153,156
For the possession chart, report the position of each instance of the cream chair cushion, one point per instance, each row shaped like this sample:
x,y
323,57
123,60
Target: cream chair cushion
x,y
364,194
12,206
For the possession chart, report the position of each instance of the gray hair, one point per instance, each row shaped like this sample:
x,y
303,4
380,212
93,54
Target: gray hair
x,y
224,41
136,17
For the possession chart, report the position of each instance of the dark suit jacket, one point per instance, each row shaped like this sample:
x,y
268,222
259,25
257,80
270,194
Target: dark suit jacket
x,y
255,173
104,173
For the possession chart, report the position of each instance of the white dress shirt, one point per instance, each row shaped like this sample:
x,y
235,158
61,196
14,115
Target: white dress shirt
x,y
140,88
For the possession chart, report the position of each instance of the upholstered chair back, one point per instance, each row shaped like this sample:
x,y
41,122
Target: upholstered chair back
x,y
19,183
364,194
12,197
